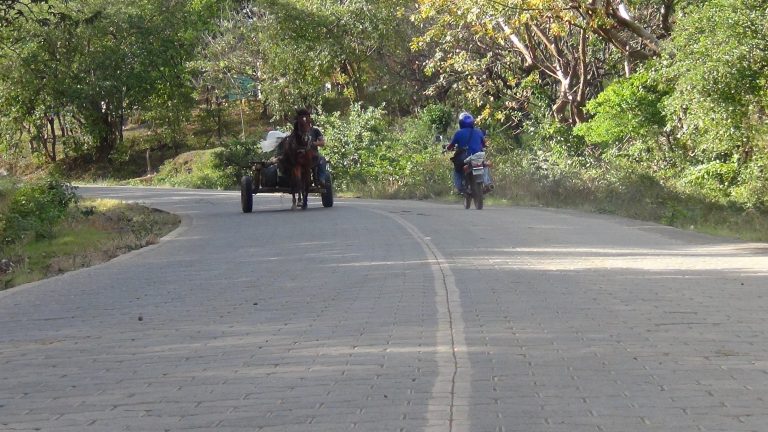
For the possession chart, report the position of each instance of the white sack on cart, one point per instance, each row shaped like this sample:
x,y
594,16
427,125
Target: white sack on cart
x,y
272,140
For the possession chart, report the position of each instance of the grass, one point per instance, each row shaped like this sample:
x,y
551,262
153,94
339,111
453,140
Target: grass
x,y
634,197
94,232
638,199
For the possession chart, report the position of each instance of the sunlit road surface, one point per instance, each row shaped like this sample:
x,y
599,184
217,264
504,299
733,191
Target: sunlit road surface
x,y
392,316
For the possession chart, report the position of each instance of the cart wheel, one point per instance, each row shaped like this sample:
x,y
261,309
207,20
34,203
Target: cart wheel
x,y
246,194
327,197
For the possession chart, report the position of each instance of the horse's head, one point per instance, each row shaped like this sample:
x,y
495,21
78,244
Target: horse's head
x,y
302,124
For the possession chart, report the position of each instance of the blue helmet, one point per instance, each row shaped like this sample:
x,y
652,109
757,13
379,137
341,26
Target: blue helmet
x,y
466,120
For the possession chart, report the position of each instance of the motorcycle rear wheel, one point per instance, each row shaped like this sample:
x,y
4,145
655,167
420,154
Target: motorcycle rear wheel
x,y
477,195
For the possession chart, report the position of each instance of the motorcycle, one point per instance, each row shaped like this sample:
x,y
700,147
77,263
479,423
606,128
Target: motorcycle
x,y
473,180
473,169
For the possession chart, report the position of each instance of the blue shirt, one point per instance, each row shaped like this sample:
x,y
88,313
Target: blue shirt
x,y
470,139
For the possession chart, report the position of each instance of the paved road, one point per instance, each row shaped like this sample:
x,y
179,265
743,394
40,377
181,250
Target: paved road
x,y
393,316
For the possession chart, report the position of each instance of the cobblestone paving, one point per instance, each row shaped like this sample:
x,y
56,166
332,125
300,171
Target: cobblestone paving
x,y
333,320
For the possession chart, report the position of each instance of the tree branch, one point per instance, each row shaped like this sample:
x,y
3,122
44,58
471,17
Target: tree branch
x,y
626,21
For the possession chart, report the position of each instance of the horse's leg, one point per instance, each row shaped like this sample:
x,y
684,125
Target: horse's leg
x,y
306,181
295,186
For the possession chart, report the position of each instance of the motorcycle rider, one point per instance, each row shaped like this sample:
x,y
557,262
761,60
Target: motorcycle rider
x,y
467,141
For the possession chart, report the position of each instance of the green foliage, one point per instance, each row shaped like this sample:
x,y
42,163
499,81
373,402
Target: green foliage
x,y
751,189
227,62
301,52
717,61
199,169
368,154
712,180
34,208
556,139
629,109
236,156
17,10
417,169
439,117
93,65
356,144
238,153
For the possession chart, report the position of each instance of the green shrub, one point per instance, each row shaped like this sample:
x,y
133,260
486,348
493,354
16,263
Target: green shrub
x,y
416,168
237,154
198,170
370,155
439,117
628,109
355,144
557,140
712,181
35,208
751,192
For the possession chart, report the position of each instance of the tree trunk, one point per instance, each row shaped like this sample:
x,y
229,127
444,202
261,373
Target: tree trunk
x,y
350,70
577,114
559,110
122,122
108,138
219,103
44,137
62,126
242,117
32,142
264,109
64,133
52,153
149,164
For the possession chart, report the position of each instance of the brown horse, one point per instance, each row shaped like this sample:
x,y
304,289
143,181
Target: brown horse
x,y
297,160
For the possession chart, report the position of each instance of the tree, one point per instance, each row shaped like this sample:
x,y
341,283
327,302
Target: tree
x,y
302,51
14,10
96,63
229,55
717,64
628,111
568,47
29,72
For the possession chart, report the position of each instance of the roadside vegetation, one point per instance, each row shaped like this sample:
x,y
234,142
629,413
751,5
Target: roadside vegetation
x,y
651,110
46,230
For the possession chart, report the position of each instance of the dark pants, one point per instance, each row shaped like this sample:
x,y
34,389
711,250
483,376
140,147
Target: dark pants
x,y
322,171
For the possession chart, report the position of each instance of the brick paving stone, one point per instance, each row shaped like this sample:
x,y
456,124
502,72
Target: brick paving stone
x,y
568,322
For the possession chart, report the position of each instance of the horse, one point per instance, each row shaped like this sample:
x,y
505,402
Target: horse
x,y
297,161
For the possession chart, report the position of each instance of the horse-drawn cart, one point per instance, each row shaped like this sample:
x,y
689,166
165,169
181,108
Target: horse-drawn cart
x,y
265,178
